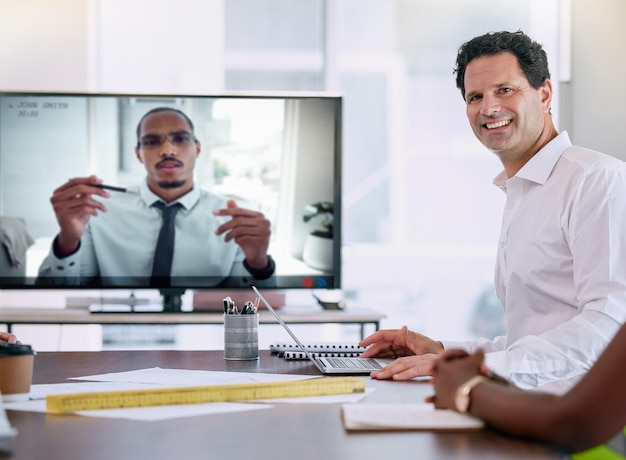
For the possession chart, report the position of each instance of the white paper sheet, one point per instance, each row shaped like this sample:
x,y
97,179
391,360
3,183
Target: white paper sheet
x,y
157,375
405,417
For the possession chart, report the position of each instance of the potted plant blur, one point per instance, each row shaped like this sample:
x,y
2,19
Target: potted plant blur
x,y
318,246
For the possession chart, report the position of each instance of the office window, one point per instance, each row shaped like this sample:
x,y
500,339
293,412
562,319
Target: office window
x,y
274,45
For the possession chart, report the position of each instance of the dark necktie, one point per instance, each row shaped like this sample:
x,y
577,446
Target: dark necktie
x,y
164,252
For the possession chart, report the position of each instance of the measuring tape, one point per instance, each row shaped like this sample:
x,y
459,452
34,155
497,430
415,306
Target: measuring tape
x,y
203,394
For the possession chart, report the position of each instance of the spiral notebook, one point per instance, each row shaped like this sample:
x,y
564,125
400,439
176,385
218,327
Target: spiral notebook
x,y
317,349
330,365
300,355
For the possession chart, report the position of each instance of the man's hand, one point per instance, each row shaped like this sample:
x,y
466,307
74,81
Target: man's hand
x,y
407,368
74,205
250,230
452,369
390,343
8,338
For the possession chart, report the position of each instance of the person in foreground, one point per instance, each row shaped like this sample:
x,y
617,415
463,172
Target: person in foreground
x,y
560,273
113,235
7,337
588,414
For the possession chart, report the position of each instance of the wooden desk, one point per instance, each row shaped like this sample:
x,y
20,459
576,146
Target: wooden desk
x,y
284,432
291,315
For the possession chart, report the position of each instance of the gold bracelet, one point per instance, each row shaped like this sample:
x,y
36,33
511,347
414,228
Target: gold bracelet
x,y
462,396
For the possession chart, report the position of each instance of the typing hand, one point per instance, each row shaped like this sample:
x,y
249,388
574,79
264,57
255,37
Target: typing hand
x,y
390,343
407,368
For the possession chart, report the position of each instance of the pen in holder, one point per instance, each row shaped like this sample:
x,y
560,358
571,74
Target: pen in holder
x,y
241,334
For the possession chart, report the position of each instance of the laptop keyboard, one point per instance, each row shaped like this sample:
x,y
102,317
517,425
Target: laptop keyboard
x,y
354,363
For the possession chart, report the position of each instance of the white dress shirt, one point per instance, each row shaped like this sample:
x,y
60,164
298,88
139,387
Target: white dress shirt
x,y
561,266
118,246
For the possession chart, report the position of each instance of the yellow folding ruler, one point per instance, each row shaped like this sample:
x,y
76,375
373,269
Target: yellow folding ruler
x,y
204,394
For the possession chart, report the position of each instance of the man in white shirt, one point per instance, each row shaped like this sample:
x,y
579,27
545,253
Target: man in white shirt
x,y
560,272
110,238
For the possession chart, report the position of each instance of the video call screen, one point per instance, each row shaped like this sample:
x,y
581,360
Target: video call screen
x,y
277,154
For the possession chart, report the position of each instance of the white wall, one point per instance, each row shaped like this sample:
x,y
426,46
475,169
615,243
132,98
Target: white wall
x,y
169,46
43,45
73,45
597,94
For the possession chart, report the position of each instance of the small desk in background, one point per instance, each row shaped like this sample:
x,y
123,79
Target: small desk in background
x,y
291,315
283,432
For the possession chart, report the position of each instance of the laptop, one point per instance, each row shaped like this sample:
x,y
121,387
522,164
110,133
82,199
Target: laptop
x,y
330,365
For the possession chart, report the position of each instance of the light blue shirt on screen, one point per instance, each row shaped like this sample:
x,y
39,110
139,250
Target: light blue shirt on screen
x,y
118,245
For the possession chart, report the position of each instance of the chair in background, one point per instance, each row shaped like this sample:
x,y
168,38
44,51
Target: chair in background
x,y
14,242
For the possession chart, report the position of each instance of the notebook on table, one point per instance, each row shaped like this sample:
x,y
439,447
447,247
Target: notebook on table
x,y
293,351
300,355
330,365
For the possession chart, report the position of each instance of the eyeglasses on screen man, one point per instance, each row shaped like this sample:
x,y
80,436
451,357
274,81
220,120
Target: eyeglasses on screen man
x,y
179,139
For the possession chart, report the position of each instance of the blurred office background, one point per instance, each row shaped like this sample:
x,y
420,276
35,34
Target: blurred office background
x,y
421,217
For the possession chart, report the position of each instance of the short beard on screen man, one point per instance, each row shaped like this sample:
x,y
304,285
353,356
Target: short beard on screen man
x,y
173,184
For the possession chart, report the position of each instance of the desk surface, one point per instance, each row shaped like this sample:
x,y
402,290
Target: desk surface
x,y
283,432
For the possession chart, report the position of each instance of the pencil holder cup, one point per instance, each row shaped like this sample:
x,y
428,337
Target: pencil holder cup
x,y
241,337
16,371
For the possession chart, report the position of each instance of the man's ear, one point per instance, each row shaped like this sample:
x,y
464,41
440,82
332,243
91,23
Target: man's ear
x,y
546,95
198,148
138,155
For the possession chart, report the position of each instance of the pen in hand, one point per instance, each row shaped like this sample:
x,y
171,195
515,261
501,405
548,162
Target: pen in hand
x,y
110,187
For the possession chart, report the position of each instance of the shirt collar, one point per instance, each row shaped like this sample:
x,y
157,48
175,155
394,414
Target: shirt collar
x,y
187,201
540,166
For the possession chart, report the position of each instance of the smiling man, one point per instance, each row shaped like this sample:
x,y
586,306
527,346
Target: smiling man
x,y
508,115
560,273
112,238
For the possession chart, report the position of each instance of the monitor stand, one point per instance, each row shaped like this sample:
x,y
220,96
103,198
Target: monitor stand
x,y
116,304
329,304
171,303
172,299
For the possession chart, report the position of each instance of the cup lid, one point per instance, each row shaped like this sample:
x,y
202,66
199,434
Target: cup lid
x,y
15,349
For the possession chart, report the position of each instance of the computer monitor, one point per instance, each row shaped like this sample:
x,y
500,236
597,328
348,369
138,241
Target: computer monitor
x,y
279,154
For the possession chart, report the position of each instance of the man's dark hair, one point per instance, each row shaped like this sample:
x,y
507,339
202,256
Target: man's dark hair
x,y
162,109
530,55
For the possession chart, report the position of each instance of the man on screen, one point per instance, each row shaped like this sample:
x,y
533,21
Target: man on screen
x,y
113,239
